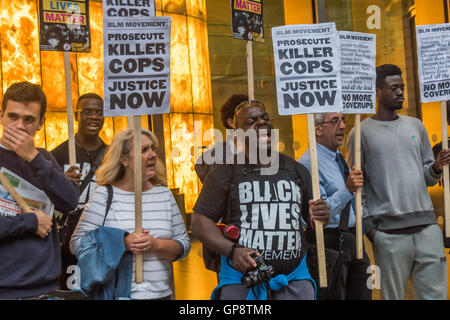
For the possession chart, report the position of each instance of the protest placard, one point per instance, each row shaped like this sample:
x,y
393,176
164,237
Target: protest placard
x,y
307,68
433,54
247,20
358,75
64,25
136,65
358,71
247,24
307,71
136,75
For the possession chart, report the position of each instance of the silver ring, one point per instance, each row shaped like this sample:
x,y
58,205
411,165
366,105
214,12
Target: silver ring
x,y
145,249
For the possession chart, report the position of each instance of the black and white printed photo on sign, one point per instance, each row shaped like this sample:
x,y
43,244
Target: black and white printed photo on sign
x,y
64,25
247,20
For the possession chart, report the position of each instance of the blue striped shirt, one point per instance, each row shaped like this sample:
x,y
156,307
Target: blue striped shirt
x,y
332,184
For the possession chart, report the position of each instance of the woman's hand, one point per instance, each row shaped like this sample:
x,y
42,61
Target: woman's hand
x,y
140,243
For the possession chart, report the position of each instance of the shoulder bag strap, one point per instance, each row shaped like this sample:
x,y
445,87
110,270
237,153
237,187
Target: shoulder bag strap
x,y
86,180
108,202
345,213
91,173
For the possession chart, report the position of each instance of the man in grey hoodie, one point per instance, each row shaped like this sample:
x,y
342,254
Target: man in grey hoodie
x,y
398,215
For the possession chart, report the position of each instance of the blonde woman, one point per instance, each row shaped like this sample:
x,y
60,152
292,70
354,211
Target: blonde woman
x,y
164,237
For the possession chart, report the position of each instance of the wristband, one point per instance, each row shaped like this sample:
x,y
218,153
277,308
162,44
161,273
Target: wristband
x,y
230,255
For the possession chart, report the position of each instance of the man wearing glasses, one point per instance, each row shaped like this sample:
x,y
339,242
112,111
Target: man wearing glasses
x,y
337,188
89,148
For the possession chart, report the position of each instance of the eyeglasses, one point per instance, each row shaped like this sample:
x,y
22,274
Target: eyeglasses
x,y
91,113
334,121
248,103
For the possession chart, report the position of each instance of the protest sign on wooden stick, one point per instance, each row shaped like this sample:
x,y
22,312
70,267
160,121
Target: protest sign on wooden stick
x,y
130,121
248,25
77,40
445,169
137,146
250,78
358,66
69,108
137,82
433,50
358,202
309,86
316,195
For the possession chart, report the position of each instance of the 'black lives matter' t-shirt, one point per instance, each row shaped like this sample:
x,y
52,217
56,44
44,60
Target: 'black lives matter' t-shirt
x,y
85,160
267,209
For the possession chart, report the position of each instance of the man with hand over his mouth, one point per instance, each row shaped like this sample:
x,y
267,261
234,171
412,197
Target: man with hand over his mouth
x,y
30,258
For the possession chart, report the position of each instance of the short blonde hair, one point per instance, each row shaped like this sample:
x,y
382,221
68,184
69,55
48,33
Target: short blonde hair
x,y
112,168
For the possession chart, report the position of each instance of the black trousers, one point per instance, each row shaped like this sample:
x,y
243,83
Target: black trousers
x,y
352,281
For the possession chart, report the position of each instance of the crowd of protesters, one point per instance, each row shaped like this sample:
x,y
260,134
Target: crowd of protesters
x,y
273,215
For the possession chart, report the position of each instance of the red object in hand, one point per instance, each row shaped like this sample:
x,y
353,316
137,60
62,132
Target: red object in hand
x,y
230,231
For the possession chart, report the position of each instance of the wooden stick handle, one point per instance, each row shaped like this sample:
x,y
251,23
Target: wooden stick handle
x,y
358,200
69,106
130,122
316,195
22,203
138,192
445,169
250,79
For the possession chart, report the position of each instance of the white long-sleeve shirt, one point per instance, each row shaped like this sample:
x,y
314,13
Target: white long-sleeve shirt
x,y
160,215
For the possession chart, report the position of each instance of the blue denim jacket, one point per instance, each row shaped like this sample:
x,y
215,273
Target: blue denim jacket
x,y
106,267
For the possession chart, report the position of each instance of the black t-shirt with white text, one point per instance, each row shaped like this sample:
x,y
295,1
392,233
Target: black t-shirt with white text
x,y
266,208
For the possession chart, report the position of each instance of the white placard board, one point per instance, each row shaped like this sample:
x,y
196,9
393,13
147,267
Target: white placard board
x,y
136,60
307,68
433,53
358,71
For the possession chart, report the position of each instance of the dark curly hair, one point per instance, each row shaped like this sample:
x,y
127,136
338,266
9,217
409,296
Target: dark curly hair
x,y
26,92
386,70
228,108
